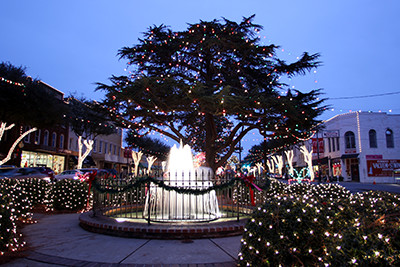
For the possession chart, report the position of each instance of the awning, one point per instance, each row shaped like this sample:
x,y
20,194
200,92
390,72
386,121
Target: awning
x,y
349,156
87,161
323,161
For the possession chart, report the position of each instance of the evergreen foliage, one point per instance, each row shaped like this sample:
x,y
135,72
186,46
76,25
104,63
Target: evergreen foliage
x,y
88,118
149,146
27,101
210,85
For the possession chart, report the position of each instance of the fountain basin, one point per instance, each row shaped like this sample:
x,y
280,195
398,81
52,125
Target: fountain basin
x,y
139,228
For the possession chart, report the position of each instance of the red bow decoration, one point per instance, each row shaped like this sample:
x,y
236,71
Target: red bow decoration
x,y
89,178
248,180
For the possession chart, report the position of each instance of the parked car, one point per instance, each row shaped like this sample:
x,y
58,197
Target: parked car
x,y
21,173
45,170
6,168
107,173
86,170
69,174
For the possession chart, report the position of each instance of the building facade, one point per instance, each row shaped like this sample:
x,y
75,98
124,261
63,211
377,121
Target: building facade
x,y
46,147
358,146
57,147
107,152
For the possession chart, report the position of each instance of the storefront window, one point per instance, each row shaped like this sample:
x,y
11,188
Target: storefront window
x,y
34,159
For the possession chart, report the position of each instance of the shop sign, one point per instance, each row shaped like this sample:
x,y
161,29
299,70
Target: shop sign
x,y
373,157
330,133
350,151
382,167
318,147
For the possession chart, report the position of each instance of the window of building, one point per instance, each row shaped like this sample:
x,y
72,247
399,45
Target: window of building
x,y
337,143
389,138
46,138
94,145
350,140
105,147
53,139
37,137
372,139
115,150
333,144
329,145
110,149
61,145
100,146
27,138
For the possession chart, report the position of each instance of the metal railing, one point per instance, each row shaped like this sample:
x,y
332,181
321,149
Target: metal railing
x,y
177,197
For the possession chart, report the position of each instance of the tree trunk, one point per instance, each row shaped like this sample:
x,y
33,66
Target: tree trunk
x,y
89,146
8,157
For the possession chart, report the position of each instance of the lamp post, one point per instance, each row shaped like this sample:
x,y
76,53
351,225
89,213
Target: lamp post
x,y
318,163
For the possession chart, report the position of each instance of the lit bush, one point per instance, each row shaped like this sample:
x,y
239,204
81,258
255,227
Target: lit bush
x,y
324,225
68,194
12,207
17,198
36,190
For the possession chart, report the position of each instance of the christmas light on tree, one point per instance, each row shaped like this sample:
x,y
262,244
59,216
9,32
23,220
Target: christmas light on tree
x,y
209,86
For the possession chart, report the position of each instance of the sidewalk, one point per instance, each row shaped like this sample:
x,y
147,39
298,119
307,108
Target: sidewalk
x,y
58,240
363,187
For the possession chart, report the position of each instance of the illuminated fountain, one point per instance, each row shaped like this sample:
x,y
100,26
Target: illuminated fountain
x,y
169,205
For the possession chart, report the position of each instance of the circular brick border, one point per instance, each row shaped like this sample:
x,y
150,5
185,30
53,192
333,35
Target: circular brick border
x,y
105,225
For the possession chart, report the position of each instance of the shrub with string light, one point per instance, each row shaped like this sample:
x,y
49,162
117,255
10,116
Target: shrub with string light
x,y
17,198
324,226
68,194
36,190
298,189
14,205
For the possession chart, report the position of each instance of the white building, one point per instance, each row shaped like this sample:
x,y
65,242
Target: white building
x,y
359,146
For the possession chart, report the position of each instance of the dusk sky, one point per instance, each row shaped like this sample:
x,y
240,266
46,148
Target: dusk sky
x,y
73,44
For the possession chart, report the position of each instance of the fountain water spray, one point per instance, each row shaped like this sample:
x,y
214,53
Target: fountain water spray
x,y
173,206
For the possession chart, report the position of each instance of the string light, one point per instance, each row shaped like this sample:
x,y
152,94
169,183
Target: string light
x,y
11,82
19,196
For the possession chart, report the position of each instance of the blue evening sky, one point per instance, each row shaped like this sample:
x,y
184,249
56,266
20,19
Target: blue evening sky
x,y
73,44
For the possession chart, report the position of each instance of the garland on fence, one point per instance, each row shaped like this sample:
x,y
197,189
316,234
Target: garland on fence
x,y
181,190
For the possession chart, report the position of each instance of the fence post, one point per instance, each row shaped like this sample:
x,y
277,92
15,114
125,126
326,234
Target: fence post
x,y
237,200
148,203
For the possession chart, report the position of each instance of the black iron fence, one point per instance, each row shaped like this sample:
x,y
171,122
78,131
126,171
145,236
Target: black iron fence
x,y
178,197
